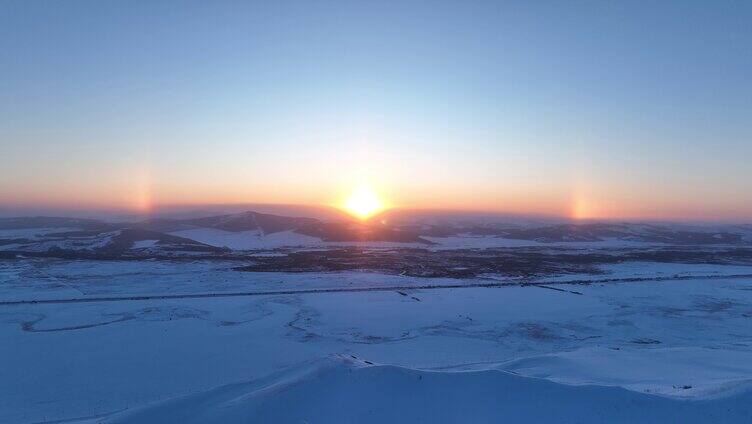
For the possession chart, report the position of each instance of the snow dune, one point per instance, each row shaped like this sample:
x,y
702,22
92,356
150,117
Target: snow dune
x,y
342,390
681,372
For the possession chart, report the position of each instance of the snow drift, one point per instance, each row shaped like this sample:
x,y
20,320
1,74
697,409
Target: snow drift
x,y
352,391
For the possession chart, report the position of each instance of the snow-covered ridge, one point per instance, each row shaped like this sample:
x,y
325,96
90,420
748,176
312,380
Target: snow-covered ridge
x,y
352,390
252,230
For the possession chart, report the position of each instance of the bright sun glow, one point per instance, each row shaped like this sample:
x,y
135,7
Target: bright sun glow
x,y
363,203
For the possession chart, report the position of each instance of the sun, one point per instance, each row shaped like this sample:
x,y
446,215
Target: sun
x,y
364,203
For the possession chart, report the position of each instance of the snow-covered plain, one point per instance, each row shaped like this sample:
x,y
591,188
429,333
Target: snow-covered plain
x,y
652,351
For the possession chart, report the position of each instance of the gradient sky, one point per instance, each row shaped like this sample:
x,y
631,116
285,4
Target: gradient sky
x,y
584,108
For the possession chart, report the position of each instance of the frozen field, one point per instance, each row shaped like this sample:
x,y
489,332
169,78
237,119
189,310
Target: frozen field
x,y
654,351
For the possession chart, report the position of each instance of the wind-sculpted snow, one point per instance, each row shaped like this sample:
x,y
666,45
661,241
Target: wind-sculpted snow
x,y
679,372
351,390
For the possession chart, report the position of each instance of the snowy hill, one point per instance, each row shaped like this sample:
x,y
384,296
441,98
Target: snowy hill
x,y
253,230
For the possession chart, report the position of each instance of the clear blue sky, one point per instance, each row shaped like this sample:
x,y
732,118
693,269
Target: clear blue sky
x,y
589,108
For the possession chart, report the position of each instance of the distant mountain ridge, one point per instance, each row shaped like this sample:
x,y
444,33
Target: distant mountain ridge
x,y
254,230
175,235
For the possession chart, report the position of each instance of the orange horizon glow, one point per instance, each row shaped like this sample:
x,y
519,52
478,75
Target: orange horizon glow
x,y
576,207
141,191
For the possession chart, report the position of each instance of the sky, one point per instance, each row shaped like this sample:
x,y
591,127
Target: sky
x,y
585,109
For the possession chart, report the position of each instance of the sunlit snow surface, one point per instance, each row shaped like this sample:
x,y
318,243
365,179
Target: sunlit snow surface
x,y
245,240
652,351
